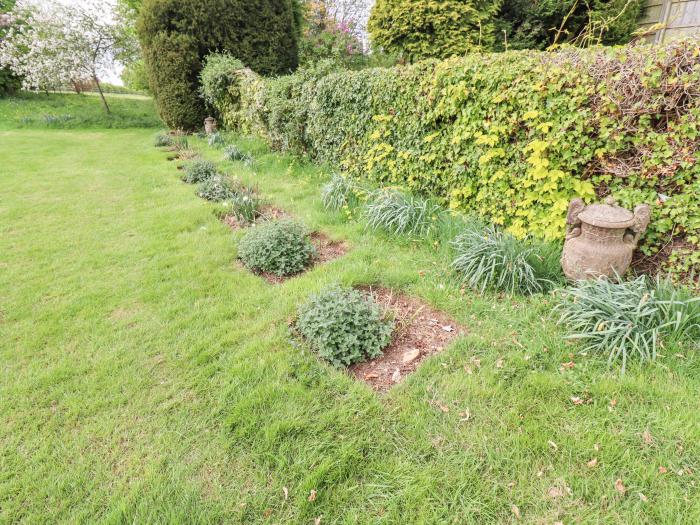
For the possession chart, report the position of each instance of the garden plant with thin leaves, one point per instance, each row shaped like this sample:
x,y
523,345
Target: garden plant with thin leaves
x,y
340,192
489,258
245,206
216,140
629,319
217,188
402,214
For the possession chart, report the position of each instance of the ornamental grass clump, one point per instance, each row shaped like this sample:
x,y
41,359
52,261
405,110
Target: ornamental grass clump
x,y
216,140
217,188
198,171
280,248
488,258
162,140
233,152
340,192
344,326
245,206
402,214
629,320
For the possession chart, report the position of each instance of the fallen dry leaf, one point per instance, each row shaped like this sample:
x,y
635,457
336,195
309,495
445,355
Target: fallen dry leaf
x,y
286,493
596,447
646,436
312,495
372,376
515,510
396,376
448,328
620,487
267,513
577,400
643,497
444,408
499,363
553,444
555,492
568,365
592,463
317,521
613,403
662,469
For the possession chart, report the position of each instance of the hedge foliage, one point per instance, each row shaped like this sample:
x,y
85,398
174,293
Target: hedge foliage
x,y
429,29
511,136
176,35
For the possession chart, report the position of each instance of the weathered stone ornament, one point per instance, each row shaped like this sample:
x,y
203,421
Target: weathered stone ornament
x,y
601,238
210,125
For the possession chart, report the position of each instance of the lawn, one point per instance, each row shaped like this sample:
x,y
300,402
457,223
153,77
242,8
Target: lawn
x,y
148,378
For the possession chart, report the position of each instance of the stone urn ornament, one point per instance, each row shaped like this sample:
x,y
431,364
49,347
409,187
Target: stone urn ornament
x,y
210,125
601,238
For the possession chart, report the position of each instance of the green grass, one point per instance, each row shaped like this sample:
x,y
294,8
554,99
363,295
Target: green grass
x,y
147,378
70,111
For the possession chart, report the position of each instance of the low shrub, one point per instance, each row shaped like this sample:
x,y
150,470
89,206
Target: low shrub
x,y
628,320
402,214
281,248
217,188
343,326
340,192
492,259
216,140
198,171
162,140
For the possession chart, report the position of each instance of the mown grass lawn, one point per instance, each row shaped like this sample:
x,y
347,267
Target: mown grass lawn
x,y
147,378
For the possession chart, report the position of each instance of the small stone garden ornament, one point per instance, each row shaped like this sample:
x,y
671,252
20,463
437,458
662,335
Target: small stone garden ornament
x,y
210,125
601,238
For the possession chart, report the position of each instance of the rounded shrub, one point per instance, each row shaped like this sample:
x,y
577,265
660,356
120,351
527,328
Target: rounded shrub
x,y
217,188
199,171
281,248
343,326
176,35
162,140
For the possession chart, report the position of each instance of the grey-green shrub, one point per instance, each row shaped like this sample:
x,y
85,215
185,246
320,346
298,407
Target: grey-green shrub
x,y
629,320
281,248
217,188
343,326
340,192
199,171
162,140
488,258
402,214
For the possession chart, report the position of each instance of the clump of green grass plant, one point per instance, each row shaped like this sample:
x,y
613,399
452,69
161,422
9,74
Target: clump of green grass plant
x,y
340,192
629,319
488,258
401,213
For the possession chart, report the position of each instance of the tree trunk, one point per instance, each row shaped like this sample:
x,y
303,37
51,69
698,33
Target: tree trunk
x,y
102,95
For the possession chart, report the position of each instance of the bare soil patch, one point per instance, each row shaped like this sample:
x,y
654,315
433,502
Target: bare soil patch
x,y
421,331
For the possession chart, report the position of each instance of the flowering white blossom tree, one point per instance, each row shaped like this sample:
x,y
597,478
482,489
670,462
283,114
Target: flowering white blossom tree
x,y
53,45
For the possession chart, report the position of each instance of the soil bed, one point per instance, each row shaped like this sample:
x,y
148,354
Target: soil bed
x,y
421,331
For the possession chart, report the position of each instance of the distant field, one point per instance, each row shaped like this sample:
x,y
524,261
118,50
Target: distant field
x,y
71,111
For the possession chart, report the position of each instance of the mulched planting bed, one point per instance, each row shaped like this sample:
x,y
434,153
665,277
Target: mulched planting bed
x,y
421,331
326,251
269,213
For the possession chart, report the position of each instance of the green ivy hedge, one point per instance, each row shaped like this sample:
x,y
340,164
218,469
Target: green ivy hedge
x,y
512,136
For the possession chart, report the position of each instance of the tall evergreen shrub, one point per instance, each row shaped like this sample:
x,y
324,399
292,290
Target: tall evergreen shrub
x,y
176,35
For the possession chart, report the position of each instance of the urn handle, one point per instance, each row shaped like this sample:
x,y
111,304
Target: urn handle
x,y
642,216
573,223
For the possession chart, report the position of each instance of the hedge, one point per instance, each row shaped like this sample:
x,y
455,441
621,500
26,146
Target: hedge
x,y
511,136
